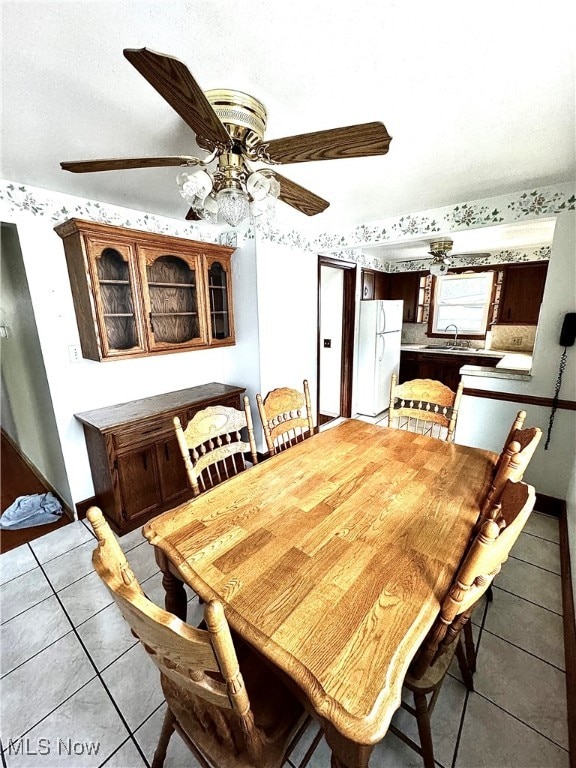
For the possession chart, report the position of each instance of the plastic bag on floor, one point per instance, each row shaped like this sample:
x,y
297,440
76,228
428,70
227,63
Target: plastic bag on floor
x,y
27,511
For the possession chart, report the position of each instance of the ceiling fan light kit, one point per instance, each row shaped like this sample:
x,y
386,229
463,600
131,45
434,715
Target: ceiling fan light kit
x,y
439,250
230,125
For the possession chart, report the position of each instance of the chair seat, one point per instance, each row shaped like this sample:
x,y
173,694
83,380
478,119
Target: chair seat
x,y
277,714
434,674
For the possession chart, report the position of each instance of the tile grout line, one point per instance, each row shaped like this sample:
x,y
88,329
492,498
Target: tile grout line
x,y
542,538
20,574
2,755
515,717
34,605
520,560
4,676
525,650
527,600
467,695
111,755
97,675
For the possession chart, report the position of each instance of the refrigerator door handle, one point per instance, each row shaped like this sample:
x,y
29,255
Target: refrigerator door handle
x,y
379,347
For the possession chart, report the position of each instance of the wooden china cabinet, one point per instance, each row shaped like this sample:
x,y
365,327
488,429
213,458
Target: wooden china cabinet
x,y
139,293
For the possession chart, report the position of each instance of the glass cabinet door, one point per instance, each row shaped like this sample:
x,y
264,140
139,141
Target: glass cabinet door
x,y
220,301
115,297
171,297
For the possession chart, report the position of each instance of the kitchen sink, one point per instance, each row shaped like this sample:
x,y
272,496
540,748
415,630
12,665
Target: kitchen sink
x,y
447,346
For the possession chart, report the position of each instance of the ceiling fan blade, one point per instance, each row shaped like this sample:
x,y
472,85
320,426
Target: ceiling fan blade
x,y
353,141
126,163
300,197
173,81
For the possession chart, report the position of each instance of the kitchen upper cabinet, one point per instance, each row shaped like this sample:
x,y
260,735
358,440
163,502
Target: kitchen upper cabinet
x,y
405,286
374,285
138,293
522,292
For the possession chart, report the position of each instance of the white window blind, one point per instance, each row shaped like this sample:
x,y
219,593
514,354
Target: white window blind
x,y
463,300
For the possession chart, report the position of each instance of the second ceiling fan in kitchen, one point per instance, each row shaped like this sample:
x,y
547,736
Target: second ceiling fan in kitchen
x,y
230,126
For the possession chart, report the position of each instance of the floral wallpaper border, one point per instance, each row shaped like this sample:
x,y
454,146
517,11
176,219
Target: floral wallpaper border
x,y
21,199
505,209
508,256
24,200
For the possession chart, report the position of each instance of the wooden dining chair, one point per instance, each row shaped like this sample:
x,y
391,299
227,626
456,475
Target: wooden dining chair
x,y
483,560
212,446
512,462
228,706
518,423
286,416
424,406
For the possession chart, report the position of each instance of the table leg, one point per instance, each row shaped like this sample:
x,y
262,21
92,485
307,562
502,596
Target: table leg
x,y
346,753
175,600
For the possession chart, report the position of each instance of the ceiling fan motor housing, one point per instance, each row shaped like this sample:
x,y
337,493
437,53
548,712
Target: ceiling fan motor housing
x,y
243,116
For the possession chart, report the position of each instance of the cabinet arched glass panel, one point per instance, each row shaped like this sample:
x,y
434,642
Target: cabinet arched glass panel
x,y
140,293
172,288
116,296
219,303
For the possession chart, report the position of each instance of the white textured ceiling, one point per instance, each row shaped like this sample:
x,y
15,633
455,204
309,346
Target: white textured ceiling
x,y
479,98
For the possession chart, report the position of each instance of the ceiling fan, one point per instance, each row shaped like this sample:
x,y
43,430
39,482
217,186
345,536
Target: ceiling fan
x,y
439,250
230,126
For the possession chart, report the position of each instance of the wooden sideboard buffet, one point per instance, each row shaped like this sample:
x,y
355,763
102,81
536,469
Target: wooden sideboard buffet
x,y
139,293
137,467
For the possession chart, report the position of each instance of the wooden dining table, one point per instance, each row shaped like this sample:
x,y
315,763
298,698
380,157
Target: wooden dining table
x,y
331,559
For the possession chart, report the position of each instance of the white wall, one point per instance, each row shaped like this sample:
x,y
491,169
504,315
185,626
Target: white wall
x,y
242,367
484,422
27,415
331,303
76,387
287,316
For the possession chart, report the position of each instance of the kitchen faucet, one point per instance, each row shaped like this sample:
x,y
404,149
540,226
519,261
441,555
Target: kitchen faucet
x,y
452,325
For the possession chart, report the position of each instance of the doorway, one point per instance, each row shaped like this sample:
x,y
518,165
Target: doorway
x,y
336,313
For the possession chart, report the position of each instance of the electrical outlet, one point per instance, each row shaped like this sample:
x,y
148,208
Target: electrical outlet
x,y
74,353
516,341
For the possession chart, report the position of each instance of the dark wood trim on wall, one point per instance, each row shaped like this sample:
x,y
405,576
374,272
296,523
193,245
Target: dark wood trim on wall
x,y
35,471
569,616
515,397
348,314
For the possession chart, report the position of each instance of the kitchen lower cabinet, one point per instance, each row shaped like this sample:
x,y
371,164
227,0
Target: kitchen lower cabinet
x,y
444,367
136,464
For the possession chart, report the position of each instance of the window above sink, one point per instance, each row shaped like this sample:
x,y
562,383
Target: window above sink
x,y
461,304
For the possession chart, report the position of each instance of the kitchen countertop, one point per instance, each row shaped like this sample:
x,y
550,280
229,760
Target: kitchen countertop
x,y
462,351
512,365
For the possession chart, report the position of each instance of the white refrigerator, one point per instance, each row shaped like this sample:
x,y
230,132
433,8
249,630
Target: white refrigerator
x,y
378,354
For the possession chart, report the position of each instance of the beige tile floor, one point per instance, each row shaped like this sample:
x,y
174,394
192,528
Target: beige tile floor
x,y
72,675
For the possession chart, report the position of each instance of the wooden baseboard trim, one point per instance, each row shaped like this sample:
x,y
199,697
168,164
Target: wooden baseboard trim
x,y
35,471
516,397
83,506
549,505
569,634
